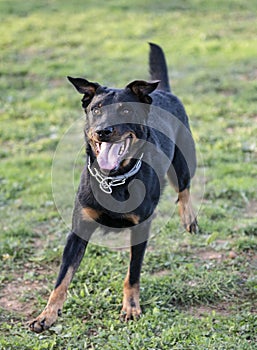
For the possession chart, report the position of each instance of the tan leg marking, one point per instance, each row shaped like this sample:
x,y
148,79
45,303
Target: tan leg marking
x,y
54,306
130,308
186,211
89,214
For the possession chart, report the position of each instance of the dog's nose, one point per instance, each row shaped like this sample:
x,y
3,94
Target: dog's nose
x,y
104,133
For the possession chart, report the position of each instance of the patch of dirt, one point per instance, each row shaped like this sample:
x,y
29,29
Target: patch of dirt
x,y
222,254
161,273
222,309
251,209
11,294
249,76
19,295
210,255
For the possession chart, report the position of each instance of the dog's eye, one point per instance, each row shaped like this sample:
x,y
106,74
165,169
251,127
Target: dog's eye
x,y
96,111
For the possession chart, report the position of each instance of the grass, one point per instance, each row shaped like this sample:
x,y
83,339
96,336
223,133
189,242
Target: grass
x,y
198,292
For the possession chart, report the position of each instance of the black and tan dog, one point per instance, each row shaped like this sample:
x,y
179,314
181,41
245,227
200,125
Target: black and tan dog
x,y
134,137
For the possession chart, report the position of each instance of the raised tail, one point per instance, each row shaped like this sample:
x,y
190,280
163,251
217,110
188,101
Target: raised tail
x,y
158,67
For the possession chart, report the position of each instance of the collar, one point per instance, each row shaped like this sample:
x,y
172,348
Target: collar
x,y
107,182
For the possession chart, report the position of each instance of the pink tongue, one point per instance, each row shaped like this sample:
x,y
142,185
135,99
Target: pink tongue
x,y
108,158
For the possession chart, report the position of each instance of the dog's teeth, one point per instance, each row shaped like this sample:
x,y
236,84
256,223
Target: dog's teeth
x,y
122,149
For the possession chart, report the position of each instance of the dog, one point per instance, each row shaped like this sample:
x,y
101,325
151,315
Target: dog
x,y
134,137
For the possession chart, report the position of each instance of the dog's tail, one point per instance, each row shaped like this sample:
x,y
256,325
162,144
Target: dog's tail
x,y
158,67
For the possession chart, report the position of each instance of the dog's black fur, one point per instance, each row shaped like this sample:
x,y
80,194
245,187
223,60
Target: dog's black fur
x,y
113,148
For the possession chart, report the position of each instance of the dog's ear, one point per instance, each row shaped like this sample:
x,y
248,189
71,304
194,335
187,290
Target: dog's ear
x,y
143,88
85,87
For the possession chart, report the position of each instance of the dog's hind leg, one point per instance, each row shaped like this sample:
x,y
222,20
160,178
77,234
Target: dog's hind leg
x,y
186,211
180,175
131,307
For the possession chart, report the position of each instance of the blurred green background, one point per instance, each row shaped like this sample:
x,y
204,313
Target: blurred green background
x,y
197,291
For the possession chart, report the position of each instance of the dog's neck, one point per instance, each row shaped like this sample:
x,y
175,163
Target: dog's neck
x,y
106,183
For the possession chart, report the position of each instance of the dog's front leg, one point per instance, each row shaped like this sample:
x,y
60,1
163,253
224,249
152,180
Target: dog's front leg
x,y
72,256
131,307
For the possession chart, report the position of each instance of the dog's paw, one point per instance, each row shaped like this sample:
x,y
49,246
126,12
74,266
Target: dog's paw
x,y
130,311
130,307
193,226
189,219
44,321
187,213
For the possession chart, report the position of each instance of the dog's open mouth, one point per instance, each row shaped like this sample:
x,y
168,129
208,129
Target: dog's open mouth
x,y
110,154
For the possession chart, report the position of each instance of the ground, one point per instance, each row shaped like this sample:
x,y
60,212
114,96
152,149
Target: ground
x,y
197,291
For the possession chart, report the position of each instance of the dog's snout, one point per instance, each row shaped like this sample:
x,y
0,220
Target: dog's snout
x,y
104,134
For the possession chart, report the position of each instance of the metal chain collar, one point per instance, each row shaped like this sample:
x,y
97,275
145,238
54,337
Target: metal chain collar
x,y
107,182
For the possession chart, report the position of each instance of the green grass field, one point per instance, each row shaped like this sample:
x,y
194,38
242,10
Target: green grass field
x,y
197,291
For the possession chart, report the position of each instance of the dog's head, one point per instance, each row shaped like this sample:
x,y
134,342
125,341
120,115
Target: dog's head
x,y
116,120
